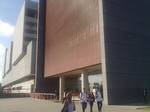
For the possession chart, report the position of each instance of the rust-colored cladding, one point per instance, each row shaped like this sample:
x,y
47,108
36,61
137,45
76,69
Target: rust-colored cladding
x,y
72,35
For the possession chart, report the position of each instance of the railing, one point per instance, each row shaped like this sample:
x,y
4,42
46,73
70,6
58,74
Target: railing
x,y
14,95
46,96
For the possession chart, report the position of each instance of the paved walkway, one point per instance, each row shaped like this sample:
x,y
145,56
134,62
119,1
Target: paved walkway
x,y
36,105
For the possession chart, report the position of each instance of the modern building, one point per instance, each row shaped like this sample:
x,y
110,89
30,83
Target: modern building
x,y
19,68
89,43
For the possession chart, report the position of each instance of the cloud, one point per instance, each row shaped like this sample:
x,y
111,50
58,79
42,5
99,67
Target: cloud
x,y
35,0
6,29
2,57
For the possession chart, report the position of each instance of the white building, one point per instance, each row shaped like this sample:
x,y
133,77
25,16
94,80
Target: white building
x,y
19,67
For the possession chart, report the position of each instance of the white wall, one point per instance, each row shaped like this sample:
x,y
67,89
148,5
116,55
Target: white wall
x,y
18,35
26,87
21,69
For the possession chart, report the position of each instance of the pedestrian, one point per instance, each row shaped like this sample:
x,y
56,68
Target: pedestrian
x,y
91,100
65,92
145,95
83,99
64,96
69,105
99,100
56,94
101,90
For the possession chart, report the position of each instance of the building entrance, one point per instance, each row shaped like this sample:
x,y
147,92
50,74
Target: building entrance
x,y
95,81
73,84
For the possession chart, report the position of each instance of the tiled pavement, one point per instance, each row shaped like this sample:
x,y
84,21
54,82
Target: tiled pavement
x,y
36,105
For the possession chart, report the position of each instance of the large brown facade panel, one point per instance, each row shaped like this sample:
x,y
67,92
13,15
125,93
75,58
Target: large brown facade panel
x,y
72,35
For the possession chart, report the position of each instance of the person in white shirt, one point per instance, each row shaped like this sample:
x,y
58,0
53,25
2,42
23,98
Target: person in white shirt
x,y
99,100
83,99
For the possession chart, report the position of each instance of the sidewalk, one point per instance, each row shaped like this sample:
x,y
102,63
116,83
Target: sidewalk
x,y
36,105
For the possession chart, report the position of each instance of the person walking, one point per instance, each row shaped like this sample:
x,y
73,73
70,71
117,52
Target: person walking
x,y
64,96
56,95
69,105
145,95
99,100
83,99
91,100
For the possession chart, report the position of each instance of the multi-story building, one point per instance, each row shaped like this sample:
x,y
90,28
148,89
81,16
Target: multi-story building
x,y
89,43
19,69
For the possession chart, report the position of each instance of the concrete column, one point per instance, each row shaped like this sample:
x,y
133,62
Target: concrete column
x,y
84,81
61,87
103,52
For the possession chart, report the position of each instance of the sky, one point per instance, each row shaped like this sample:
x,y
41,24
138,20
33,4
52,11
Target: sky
x,y
9,12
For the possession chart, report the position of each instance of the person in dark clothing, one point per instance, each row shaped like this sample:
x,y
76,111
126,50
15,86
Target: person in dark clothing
x,y
65,93
145,95
69,105
56,95
101,90
91,100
